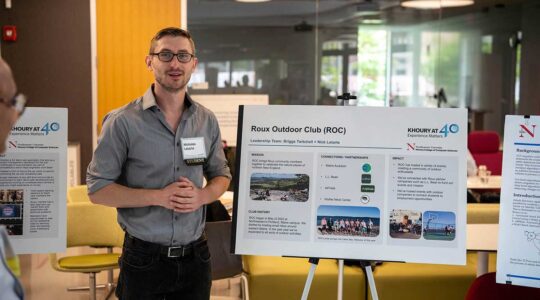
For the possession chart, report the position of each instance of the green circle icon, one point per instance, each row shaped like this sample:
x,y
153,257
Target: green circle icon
x,y
366,168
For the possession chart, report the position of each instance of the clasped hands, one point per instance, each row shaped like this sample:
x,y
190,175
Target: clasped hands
x,y
183,196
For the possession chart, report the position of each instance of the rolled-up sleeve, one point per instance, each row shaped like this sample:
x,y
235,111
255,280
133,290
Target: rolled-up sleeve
x,y
216,163
110,154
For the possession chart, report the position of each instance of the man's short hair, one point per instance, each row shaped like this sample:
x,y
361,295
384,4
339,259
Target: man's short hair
x,y
171,31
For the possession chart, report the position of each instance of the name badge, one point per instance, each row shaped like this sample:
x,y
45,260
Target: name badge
x,y
193,150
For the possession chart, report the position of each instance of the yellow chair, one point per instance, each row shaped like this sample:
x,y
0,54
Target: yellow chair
x,y
78,193
14,265
9,269
90,225
482,213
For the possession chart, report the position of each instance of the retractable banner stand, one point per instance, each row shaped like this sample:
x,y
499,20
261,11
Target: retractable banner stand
x,y
33,182
518,257
351,182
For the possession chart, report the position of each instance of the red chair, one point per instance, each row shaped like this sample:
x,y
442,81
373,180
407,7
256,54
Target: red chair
x,y
485,288
484,147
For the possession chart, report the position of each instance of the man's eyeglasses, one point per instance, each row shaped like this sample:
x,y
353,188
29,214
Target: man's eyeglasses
x,y
18,103
183,57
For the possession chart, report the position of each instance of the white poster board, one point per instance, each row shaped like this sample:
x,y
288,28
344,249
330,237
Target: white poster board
x,y
33,182
518,257
225,107
352,182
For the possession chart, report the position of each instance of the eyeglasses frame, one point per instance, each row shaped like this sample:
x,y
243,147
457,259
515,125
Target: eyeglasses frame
x,y
191,56
18,102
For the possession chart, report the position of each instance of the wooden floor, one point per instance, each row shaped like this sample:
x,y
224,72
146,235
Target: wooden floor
x,y
42,282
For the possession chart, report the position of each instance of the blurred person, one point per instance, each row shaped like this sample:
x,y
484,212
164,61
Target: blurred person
x,y
472,169
245,80
8,112
10,288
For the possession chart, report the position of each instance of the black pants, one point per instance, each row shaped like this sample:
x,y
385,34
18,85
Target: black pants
x,y
147,272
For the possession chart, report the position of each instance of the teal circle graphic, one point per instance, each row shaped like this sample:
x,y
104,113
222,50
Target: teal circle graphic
x,y
366,168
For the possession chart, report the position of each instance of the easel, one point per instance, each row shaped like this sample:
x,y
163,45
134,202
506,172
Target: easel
x,y
365,264
313,262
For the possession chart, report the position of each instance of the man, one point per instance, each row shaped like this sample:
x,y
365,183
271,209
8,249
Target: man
x,y
10,288
149,163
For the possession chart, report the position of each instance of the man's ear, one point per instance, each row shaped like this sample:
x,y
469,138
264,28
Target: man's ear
x,y
195,64
148,61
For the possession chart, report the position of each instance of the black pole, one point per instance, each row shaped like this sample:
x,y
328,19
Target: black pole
x,y
346,97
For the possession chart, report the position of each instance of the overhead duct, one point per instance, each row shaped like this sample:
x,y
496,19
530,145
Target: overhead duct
x,y
367,8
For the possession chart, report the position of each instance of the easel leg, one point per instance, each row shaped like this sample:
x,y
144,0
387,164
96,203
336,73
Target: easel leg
x,y
340,280
371,281
314,262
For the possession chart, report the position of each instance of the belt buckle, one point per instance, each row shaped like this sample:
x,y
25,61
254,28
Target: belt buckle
x,y
174,248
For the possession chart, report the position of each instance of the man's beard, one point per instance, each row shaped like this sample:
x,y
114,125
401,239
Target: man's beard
x,y
170,88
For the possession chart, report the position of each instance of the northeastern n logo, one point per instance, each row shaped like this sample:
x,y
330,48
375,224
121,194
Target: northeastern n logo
x,y
527,130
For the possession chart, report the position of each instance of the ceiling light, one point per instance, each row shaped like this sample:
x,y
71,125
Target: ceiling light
x,y
372,21
252,1
435,4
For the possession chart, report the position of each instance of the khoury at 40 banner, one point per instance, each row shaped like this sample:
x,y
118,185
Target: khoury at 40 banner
x,y
33,182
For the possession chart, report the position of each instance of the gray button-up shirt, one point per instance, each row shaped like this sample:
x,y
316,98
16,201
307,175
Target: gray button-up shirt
x,y
137,149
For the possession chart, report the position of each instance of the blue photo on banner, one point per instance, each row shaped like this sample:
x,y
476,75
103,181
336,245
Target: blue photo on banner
x,y
439,225
10,211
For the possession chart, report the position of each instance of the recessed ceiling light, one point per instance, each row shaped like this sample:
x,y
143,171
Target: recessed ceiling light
x,y
435,4
252,1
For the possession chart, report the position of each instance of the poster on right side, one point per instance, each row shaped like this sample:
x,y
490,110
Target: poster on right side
x,y
371,183
518,258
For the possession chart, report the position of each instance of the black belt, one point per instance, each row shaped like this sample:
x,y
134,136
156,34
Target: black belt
x,y
168,251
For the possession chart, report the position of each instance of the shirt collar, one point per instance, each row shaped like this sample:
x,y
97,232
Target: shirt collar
x,y
149,100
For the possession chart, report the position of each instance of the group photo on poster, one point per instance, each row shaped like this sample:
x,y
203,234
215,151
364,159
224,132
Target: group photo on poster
x,y
348,221
11,210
